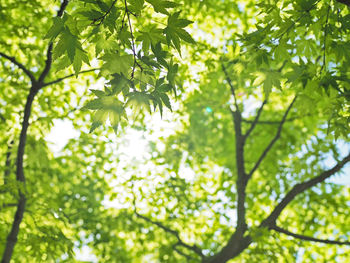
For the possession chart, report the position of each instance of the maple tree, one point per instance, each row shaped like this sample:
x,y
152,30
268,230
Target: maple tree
x,y
259,94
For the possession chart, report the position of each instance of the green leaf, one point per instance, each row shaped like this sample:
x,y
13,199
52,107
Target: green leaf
x,y
135,6
174,31
152,36
98,93
115,63
56,28
119,83
165,100
138,100
80,56
67,43
91,14
98,119
161,6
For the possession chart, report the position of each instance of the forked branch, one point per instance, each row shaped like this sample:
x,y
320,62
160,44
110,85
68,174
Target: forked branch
x,y
256,120
300,188
274,139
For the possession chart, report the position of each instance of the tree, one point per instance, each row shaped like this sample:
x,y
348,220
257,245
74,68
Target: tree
x,y
78,31
263,121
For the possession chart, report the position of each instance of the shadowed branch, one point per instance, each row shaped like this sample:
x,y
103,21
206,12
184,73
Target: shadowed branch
x,y
193,248
254,123
20,177
300,188
20,65
232,89
272,142
308,238
69,76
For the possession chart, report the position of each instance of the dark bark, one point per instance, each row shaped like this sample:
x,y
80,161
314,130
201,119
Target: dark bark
x,y
20,65
300,188
235,245
233,248
256,120
175,233
308,238
12,236
69,76
242,179
273,141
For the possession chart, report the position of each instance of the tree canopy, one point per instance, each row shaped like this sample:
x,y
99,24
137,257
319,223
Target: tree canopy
x,y
245,107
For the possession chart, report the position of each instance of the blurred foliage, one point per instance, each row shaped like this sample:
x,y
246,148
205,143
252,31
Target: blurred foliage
x,y
204,61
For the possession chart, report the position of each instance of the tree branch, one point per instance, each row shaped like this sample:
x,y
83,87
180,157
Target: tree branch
x,y
300,188
194,248
228,79
233,246
8,205
48,61
12,236
62,8
272,142
188,257
325,40
47,67
20,65
274,122
242,179
255,120
68,76
35,87
307,238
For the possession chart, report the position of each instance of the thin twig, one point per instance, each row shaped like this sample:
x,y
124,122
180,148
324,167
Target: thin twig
x,y
325,40
228,79
101,18
20,65
308,238
68,76
48,64
132,41
8,205
255,120
193,248
275,122
188,257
